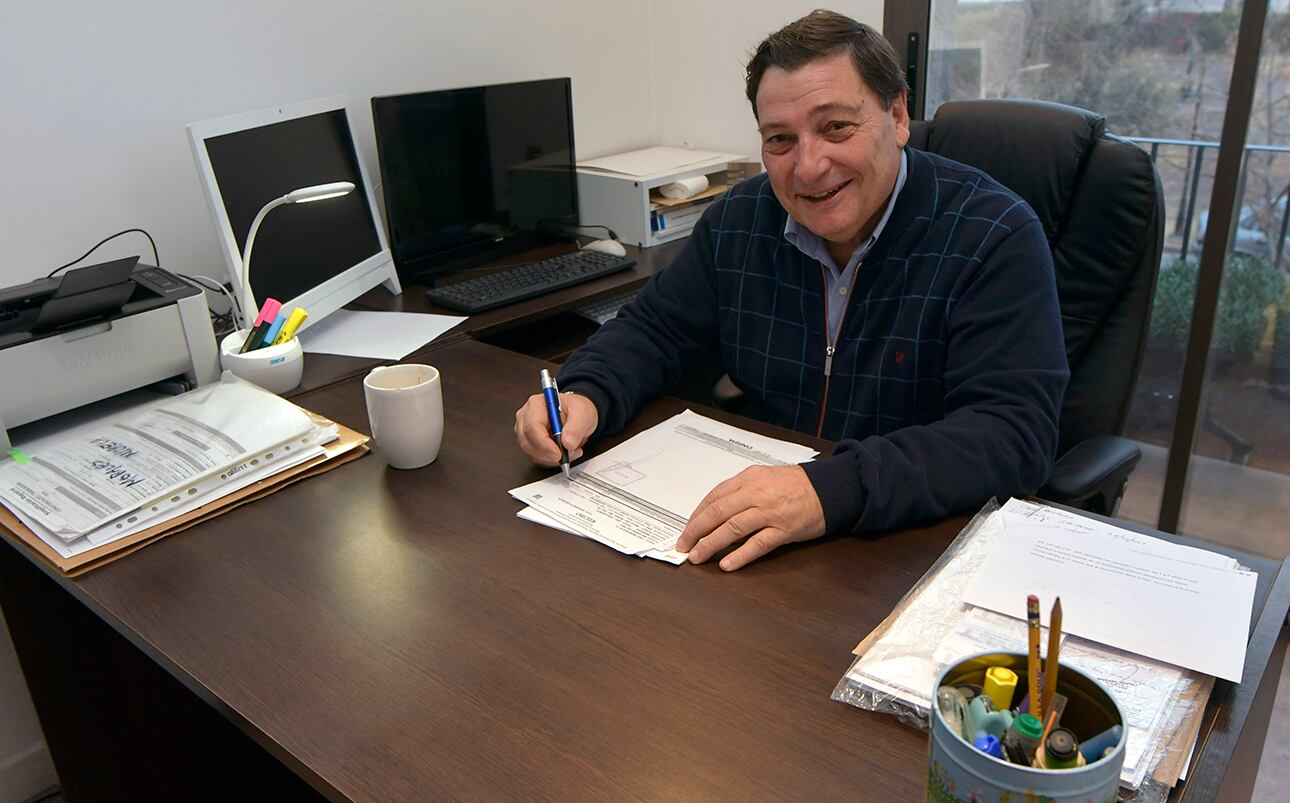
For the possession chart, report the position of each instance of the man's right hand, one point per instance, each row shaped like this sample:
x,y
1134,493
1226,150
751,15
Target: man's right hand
x,y
533,430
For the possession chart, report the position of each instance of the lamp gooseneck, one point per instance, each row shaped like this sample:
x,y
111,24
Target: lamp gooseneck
x,y
318,192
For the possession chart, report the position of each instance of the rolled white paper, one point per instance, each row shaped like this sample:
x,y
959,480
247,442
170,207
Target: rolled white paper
x,y
685,188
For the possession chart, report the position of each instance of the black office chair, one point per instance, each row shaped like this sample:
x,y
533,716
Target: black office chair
x,y
1102,208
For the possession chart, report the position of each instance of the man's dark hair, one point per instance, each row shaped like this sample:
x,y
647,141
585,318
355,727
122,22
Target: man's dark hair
x,y
823,33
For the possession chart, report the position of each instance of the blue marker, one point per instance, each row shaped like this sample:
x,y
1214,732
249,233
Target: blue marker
x,y
988,744
1092,749
272,334
552,395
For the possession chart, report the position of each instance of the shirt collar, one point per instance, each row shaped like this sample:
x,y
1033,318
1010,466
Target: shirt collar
x,y
811,244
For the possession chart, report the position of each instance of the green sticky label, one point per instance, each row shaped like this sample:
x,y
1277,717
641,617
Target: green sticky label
x,y
20,456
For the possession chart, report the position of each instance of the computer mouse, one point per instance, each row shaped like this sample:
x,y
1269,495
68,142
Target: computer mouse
x,y
606,247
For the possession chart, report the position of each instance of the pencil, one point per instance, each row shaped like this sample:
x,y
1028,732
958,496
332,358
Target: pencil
x,y
1032,666
1052,660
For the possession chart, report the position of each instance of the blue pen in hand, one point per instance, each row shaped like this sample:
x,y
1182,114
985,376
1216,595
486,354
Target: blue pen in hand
x,y
552,395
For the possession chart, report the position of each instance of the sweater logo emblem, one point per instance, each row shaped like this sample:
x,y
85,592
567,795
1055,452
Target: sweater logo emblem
x,y
900,358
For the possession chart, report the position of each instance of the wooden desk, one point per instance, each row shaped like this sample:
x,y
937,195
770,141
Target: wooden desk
x,y
389,635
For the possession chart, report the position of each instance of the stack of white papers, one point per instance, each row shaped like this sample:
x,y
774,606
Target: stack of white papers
x,y
112,477
656,161
1178,604
377,335
638,496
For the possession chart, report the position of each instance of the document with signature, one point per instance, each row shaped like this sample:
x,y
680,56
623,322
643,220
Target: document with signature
x,y
1127,590
638,496
113,475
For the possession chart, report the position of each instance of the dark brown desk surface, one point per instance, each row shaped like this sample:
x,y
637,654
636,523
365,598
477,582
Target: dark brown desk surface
x,y
401,635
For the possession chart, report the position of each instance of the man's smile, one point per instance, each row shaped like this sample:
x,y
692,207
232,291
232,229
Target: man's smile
x,y
825,195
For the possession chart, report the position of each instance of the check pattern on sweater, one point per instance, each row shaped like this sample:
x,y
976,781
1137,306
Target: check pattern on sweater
x,y
949,366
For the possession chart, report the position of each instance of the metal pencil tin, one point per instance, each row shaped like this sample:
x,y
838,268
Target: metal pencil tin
x,y
959,773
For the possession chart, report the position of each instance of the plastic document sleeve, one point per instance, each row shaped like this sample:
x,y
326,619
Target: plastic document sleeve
x,y
347,446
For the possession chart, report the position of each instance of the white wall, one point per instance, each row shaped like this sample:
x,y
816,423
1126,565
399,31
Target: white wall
x,y
699,54
95,96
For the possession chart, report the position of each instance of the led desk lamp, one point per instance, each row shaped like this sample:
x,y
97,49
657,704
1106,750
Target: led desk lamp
x,y
319,192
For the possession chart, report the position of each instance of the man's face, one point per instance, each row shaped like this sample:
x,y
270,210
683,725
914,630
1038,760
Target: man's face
x,y
830,149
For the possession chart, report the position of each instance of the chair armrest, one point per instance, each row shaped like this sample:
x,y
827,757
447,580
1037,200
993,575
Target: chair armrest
x,y
1092,475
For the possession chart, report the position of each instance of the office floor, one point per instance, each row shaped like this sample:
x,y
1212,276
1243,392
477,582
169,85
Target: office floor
x,y
1248,507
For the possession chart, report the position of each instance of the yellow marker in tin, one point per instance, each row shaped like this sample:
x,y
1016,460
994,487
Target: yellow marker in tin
x,y
1000,686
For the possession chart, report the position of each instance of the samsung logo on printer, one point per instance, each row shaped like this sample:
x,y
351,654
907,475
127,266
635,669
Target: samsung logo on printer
x,y
85,359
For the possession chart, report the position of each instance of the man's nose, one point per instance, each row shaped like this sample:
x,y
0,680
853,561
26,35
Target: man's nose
x,y
812,160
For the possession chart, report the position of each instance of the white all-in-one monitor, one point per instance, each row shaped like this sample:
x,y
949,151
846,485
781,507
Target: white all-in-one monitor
x,y
319,256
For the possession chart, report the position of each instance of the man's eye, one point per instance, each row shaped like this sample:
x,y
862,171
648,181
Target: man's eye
x,y
776,143
838,127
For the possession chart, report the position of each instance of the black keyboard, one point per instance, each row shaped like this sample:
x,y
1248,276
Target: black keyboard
x,y
606,309
526,281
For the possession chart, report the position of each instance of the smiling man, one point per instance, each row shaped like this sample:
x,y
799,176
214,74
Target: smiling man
x,y
891,300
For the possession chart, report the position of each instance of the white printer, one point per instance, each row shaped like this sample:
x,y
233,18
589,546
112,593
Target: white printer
x,y
96,332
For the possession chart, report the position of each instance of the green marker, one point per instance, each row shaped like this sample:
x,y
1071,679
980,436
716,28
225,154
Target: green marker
x,y
1022,739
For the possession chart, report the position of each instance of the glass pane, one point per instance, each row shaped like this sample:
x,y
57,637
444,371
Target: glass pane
x,y
1140,64
1238,482
1158,70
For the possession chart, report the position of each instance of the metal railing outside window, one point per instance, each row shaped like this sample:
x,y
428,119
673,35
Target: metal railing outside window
x,y
1186,214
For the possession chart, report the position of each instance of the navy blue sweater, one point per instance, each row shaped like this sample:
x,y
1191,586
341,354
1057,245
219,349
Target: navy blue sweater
x,y
949,369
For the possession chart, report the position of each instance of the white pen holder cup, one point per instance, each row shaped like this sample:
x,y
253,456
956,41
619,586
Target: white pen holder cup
x,y
275,368
405,409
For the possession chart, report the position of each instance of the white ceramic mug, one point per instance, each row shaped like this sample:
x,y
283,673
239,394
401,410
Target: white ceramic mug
x,y
405,409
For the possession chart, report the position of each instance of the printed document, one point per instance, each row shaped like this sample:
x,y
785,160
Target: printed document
x,y
1126,590
638,496
538,517
144,465
244,476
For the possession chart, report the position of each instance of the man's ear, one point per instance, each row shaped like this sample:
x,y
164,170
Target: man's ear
x,y
900,114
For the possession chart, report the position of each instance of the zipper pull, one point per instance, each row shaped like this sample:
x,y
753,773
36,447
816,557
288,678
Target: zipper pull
x,y
828,361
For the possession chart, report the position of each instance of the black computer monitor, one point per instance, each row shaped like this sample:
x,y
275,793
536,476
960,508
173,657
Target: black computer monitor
x,y
469,173
318,256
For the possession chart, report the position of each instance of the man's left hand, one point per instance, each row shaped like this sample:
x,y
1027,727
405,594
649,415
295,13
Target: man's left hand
x,y
765,507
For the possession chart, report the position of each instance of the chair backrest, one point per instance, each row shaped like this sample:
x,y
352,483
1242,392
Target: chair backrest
x,y
1102,208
